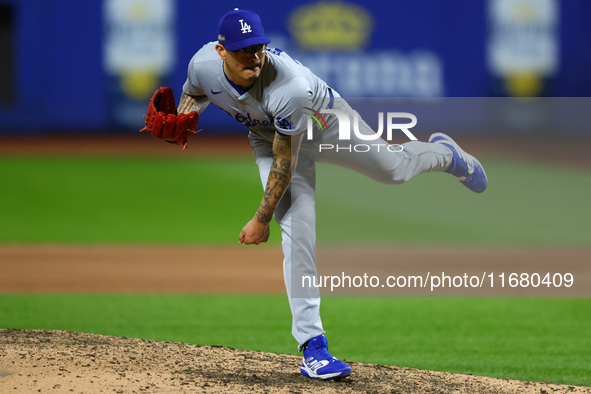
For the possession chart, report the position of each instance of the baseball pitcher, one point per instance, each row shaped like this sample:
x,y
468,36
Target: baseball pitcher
x,y
257,86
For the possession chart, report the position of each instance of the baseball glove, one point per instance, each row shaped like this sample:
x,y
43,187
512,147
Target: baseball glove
x,y
164,122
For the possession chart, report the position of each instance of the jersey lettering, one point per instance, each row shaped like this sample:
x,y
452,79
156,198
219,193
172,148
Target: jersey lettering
x,y
248,121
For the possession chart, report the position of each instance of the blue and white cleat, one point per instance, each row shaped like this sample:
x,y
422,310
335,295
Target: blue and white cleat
x,y
465,167
318,363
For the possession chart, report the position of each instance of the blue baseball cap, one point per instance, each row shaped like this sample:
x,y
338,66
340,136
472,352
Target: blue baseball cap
x,y
240,29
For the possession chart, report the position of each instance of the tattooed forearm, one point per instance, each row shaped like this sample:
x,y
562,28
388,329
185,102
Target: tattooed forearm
x,y
285,152
276,186
192,103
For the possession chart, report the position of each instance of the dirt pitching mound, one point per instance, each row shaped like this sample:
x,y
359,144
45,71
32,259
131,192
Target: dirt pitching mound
x,y
62,361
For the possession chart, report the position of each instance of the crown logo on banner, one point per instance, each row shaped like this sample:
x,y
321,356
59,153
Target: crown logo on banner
x,y
331,25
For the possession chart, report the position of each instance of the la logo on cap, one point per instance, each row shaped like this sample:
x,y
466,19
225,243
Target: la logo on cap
x,y
245,27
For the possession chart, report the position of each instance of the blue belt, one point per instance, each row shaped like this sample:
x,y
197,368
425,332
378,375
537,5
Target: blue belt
x,y
331,102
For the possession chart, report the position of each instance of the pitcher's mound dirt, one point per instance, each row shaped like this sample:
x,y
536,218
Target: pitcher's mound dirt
x,y
61,361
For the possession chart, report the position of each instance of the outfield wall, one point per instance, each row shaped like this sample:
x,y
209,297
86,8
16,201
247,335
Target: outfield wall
x,y
93,64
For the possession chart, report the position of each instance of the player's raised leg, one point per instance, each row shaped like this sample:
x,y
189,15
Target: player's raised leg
x,y
379,162
389,166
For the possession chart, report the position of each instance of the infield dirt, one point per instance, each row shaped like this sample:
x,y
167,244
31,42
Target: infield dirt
x,y
62,362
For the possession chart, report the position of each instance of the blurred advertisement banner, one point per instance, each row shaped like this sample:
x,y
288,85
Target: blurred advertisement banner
x,y
139,52
523,47
123,50
334,39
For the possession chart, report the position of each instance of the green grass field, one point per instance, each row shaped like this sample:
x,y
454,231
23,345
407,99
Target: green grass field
x,y
124,201
206,202
181,201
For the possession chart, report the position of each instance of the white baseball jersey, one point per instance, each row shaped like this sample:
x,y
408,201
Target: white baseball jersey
x,y
267,106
